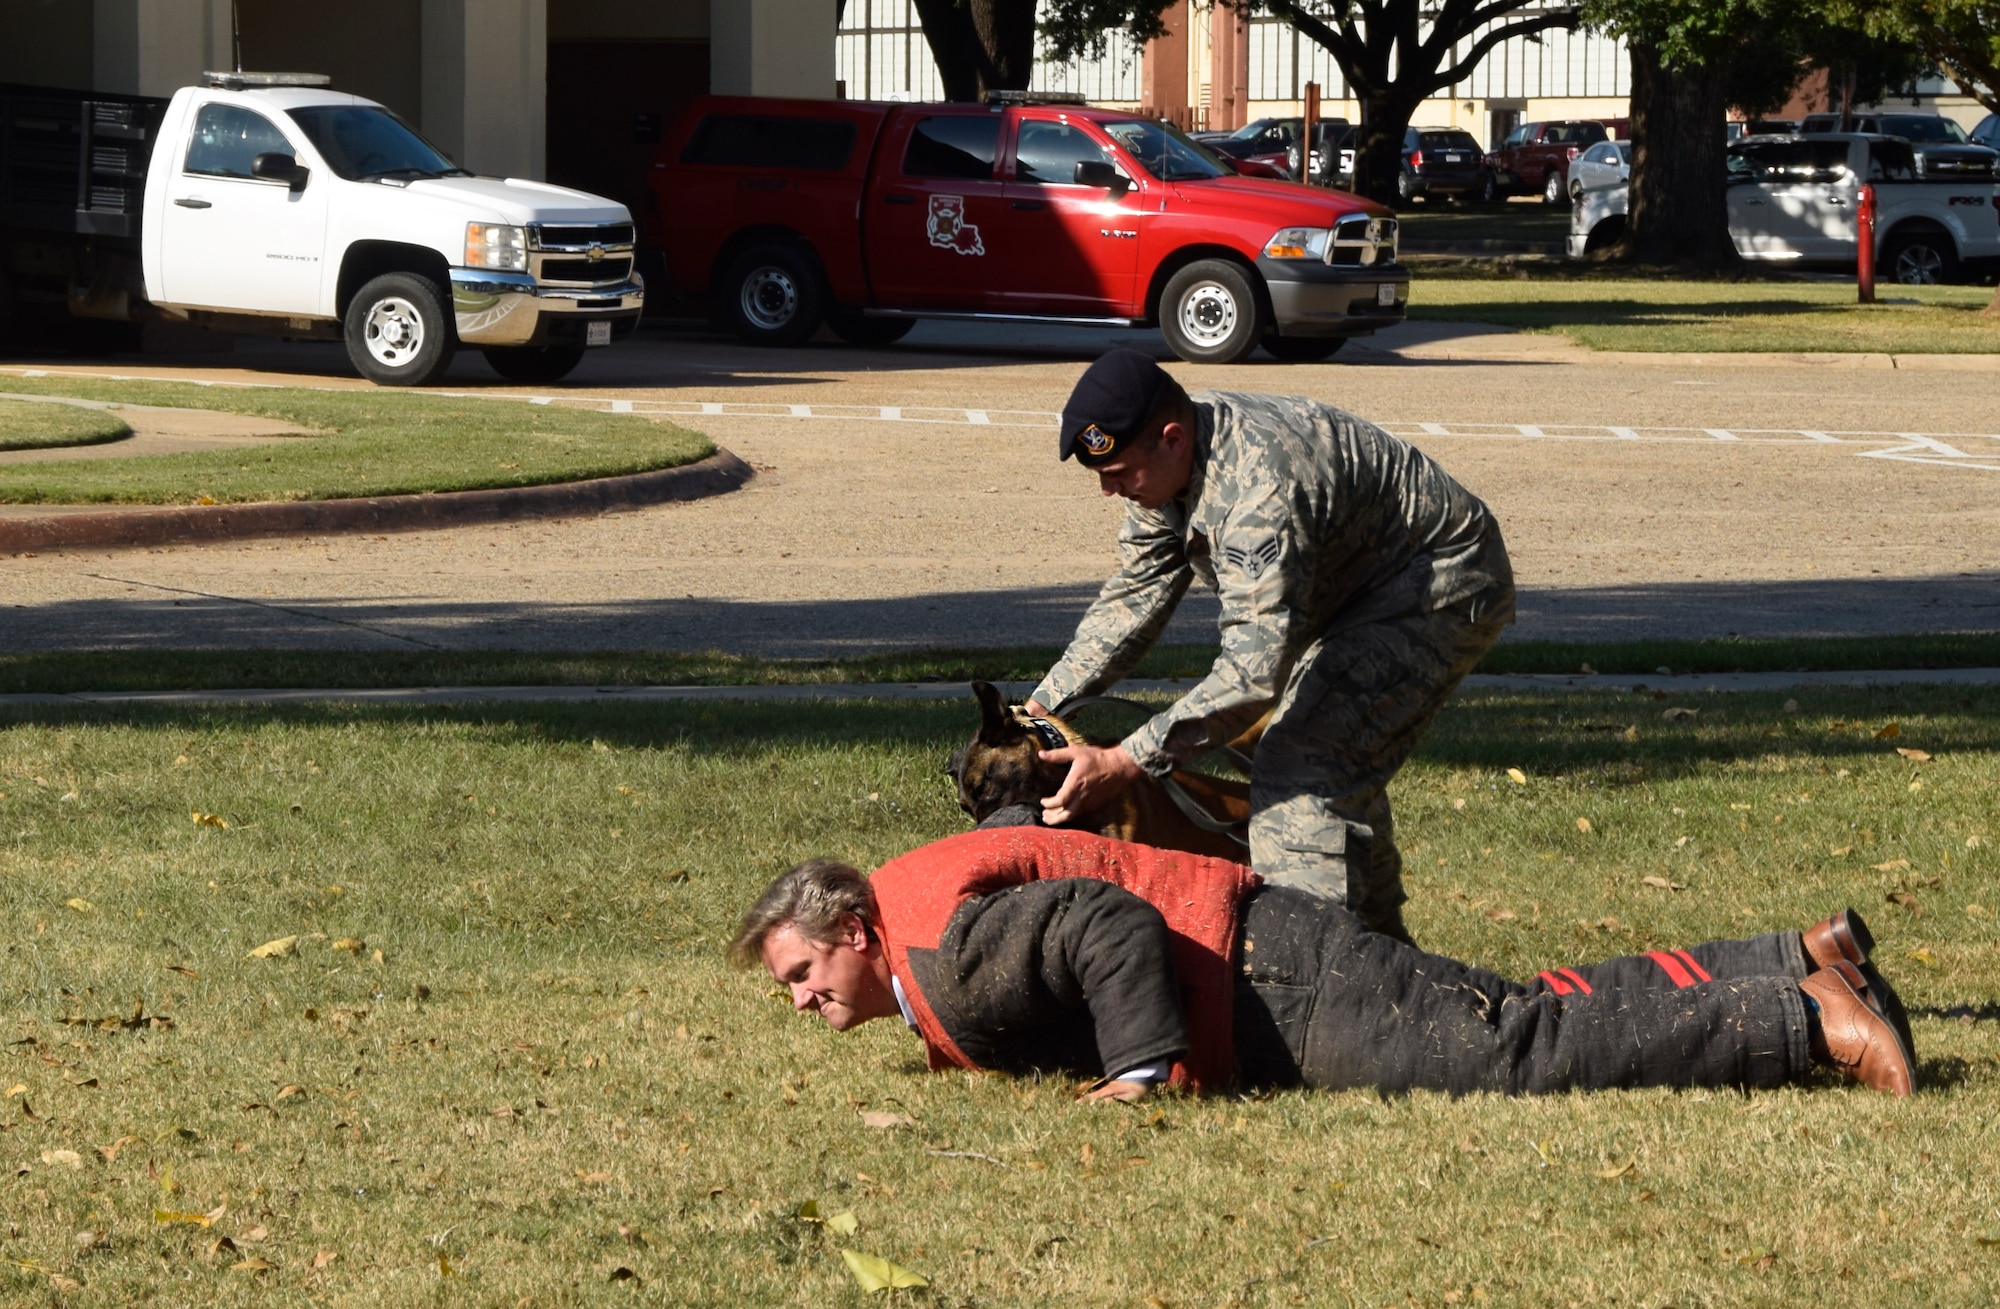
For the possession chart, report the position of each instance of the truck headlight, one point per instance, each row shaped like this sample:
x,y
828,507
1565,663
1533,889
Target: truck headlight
x,y
496,245
1297,243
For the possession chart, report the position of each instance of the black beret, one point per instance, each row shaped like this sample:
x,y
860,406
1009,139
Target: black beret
x,y
1109,406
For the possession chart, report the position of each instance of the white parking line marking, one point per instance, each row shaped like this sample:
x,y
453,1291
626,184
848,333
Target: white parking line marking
x,y
1533,433
1624,434
978,418
1820,436
1722,434
621,406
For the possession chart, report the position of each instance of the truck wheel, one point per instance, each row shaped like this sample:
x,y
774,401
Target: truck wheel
x,y
1921,259
1406,188
771,296
399,332
1490,190
1552,188
1209,313
1303,349
858,330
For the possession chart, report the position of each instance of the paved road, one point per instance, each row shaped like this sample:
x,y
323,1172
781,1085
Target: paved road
x,y
909,497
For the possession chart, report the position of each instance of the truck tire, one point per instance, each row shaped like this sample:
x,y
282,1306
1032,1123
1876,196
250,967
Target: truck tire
x,y
771,295
1406,186
1490,190
1920,258
534,364
855,329
399,331
1552,188
1209,313
1303,349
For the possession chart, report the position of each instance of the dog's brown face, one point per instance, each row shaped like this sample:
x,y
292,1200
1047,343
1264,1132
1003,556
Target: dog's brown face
x,y
1003,763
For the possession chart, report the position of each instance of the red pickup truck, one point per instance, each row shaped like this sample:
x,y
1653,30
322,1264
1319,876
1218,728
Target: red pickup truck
x,y
789,213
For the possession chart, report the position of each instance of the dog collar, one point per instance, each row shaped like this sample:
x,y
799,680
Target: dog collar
x,y
1051,736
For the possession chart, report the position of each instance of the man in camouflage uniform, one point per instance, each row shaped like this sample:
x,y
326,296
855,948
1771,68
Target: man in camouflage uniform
x,y
1359,584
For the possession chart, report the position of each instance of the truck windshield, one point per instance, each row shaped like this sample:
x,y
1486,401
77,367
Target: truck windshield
x,y
365,142
1162,151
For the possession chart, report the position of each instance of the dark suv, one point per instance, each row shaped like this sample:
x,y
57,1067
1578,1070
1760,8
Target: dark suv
x,y
1535,157
1942,147
1439,163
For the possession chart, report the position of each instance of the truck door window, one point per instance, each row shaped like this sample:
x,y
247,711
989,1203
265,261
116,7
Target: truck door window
x,y
956,146
761,141
362,141
227,138
1891,161
1048,153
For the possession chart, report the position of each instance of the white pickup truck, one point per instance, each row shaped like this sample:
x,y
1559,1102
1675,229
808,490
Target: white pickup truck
x,y
1794,199
272,204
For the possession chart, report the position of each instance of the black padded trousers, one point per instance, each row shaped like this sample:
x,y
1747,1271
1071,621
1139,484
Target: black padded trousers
x,y
1323,1001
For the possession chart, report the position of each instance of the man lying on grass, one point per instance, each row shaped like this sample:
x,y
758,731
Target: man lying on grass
x,y
1038,949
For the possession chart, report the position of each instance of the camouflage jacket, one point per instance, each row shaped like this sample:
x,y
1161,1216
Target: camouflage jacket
x,y
1305,520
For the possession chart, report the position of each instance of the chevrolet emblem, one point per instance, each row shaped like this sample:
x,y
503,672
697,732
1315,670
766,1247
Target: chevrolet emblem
x,y
596,252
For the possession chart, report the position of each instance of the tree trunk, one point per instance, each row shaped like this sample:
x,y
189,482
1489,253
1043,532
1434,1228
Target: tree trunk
x,y
980,45
1378,145
1678,214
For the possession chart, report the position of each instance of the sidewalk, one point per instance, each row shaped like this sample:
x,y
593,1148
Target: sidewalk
x,y
450,695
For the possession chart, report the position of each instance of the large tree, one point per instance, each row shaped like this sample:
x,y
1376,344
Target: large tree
x,y
989,45
1395,54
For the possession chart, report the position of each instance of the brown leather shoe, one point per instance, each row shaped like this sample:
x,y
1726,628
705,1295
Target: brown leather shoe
x,y
1843,936
1853,1038
1846,936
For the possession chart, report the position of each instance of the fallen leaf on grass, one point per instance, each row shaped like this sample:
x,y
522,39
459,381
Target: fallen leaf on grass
x,y
1839,850
1987,1240
198,1220
1501,915
623,1274
256,1235
1914,756
80,904
1924,957
1905,899
1894,865
222,1245
64,1284
351,944
287,1091
252,1266
30,1266
1889,732
875,1273
184,972
1681,841
1517,777
1678,712
1611,1173
843,1223
18,1088
1663,884
444,1267
110,1152
593,1179
1583,825
278,949
886,1121
322,1259
209,820
67,1158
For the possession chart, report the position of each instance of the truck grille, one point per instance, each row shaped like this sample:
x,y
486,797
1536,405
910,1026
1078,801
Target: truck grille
x,y
1363,242
587,270
604,234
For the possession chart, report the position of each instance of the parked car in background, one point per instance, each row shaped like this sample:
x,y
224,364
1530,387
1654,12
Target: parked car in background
x,y
1943,149
1439,164
1332,155
1739,128
1605,164
1536,157
1792,200
785,214
1988,132
1260,136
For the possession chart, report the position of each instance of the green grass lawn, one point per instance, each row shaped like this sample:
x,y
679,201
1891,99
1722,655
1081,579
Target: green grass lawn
x,y
183,670
28,425
546,1085
377,443
1720,316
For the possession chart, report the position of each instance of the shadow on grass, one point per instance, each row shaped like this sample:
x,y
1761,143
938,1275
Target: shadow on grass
x,y
1549,735
1626,312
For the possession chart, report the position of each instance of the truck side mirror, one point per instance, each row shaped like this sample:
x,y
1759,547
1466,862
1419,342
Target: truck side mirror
x,y
1095,172
277,166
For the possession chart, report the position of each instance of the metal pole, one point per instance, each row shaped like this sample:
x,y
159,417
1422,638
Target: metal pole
x,y
1311,121
1864,252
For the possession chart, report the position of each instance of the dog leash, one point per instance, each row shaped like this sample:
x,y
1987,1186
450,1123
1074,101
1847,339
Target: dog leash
x,y
1189,806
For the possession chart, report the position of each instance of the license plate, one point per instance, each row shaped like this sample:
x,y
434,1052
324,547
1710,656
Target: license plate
x,y
600,333
1385,294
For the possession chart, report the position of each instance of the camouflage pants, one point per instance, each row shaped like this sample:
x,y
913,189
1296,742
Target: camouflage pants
x,y
1357,703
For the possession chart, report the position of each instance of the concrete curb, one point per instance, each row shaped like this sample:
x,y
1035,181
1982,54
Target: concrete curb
x,y
719,473
449,695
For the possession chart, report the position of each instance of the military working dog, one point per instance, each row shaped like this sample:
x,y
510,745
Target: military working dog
x,y
1002,766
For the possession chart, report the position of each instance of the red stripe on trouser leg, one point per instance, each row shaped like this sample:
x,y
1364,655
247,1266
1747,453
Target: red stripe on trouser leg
x,y
1576,977
1672,967
1556,984
1700,973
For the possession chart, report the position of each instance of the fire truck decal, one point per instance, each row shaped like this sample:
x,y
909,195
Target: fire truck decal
x,y
948,229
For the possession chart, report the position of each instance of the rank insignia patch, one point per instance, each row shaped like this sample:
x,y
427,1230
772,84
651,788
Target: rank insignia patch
x,y
1095,440
1254,560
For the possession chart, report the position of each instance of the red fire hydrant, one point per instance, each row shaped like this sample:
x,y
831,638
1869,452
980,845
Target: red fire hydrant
x,y
1864,254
